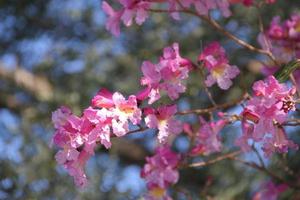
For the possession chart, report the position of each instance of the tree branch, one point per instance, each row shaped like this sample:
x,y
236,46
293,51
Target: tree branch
x,y
35,84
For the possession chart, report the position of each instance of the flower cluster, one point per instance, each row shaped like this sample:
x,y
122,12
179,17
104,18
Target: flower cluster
x,y
264,114
163,119
78,136
111,114
160,172
166,76
207,137
283,39
138,10
216,62
121,111
270,191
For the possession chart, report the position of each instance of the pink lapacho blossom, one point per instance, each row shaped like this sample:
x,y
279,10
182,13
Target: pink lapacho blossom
x,y
278,143
75,166
151,79
208,138
122,110
160,172
203,7
129,10
165,76
163,119
282,38
77,138
173,69
138,10
215,61
268,70
270,191
264,114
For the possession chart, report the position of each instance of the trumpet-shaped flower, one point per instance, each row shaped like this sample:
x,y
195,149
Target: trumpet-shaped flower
x,y
215,61
160,172
208,138
167,75
264,114
163,119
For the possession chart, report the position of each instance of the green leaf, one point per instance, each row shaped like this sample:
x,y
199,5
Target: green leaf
x,y
284,72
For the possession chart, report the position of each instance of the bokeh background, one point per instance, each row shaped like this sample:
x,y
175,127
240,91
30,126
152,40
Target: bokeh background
x,y
56,53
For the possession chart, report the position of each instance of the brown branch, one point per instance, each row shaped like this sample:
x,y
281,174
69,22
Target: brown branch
x,y
129,151
36,85
213,108
220,158
291,122
265,170
210,97
220,29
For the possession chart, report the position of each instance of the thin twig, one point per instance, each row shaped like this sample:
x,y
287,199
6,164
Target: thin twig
x,y
219,28
265,170
206,88
292,78
259,156
211,109
220,158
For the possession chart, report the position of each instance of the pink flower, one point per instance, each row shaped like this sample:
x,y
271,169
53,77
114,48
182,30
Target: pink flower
x,y
124,110
208,139
216,62
282,38
278,143
100,123
121,110
163,119
130,9
67,127
167,75
78,136
160,172
270,191
103,99
264,113
113,22
152,78
204,6
76,168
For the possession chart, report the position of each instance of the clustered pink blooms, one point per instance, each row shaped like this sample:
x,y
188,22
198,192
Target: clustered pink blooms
x,y
216,62
121,110
207,139
166,76
270,191
78,136
264,114
160,172
283,40
130,8
163,119
111,114
138,10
